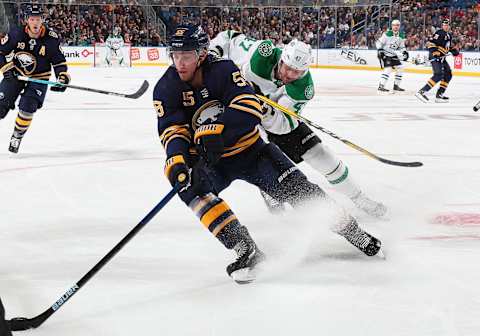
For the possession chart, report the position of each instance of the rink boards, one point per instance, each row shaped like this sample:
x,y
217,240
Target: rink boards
x,y
465,64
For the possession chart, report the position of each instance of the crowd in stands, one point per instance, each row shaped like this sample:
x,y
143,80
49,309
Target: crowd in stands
x,y
322,27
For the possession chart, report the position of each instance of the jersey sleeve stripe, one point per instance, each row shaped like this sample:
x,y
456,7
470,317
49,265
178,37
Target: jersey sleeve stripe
x,y
255,112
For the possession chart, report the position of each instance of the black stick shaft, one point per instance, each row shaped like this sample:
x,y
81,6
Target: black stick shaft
x,y
25,323
134,95
335,136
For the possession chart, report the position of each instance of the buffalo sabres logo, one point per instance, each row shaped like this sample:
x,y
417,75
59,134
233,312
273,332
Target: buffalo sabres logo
x,y
26,62
207,113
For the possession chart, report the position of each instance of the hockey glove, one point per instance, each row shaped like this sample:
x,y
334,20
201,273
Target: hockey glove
x,y
177,171
209,142
217,51
10,75
405,55
63,78
455,51
380,54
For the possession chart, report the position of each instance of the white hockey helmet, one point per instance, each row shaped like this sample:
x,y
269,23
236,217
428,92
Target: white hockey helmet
x,y
297,55
396,22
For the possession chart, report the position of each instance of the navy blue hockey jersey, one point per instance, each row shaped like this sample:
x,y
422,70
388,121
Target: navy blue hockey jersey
x,y
225,98
439,44
32,57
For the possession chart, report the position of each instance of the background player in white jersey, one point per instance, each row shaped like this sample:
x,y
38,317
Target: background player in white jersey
x,y
391,52
283,76
114,45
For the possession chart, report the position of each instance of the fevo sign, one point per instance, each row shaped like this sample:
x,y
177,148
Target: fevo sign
x,y
353,56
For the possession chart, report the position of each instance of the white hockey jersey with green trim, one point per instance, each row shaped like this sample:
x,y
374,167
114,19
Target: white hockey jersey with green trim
x,y
258,61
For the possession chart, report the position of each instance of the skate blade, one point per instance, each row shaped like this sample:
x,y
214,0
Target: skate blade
x,y
380,255
423,100
442,101
244,276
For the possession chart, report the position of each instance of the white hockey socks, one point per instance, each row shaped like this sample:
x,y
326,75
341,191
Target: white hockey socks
x,y
385,76
323,160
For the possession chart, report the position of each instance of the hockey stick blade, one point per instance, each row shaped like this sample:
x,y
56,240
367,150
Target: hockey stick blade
x,y
400,164
476,107
22,323
376,157
143,88
335,136
139,92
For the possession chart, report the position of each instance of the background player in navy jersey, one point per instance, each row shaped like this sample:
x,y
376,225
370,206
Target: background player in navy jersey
x,y
438,48
35,51
207,122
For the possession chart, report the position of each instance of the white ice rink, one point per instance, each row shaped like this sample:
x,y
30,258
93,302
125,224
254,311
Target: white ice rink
x,y
91,167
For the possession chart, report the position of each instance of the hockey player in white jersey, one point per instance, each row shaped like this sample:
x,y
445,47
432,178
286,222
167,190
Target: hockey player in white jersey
x,y
233,45
114,44
283,75
391,51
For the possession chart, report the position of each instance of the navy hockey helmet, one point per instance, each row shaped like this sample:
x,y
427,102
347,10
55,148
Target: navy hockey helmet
x,y
33,10
446,21
188,37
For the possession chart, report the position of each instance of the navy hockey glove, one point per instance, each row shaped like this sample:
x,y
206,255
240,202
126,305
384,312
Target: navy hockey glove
x,y
455,51
63,78
209,142
405,55
177,170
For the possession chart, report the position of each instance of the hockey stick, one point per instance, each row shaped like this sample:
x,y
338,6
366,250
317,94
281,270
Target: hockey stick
x,y
134,95
22,323
477,107
333,135
427,62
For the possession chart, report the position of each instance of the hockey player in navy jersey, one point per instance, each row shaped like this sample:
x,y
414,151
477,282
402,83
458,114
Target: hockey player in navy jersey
x,y
35,50
207,121
439,45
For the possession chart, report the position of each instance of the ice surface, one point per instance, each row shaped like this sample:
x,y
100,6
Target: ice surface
x,y
91,167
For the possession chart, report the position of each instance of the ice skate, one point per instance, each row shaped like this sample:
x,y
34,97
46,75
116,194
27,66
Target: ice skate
x,y
244,269
382,89
440,98
15,142
397,88
362,240
421,96
372,208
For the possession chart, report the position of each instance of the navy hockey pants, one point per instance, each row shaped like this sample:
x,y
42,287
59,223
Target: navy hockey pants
x,y
263,165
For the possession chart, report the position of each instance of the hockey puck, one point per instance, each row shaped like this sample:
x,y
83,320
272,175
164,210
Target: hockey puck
x,y
457,219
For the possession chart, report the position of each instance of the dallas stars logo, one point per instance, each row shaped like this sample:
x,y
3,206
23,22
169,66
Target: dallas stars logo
x,y
309,92
265,49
